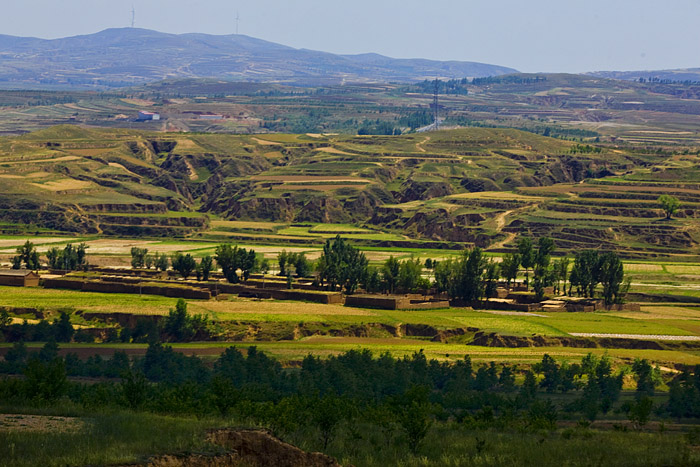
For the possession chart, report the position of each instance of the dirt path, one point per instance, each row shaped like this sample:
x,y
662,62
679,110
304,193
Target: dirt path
x,y
192,172
420,147
501,221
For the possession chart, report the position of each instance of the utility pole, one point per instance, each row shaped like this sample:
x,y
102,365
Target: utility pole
x,y
435,104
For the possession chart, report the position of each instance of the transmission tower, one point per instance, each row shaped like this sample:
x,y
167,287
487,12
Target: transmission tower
x,y
133,16
435,103
238,20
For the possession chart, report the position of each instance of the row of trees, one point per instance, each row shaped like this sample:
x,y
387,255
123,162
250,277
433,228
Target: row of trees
x,y
473,275
177,326
70,258
229,258
298,262
408,394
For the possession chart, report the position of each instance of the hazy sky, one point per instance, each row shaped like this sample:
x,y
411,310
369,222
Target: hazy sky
x,y
535,35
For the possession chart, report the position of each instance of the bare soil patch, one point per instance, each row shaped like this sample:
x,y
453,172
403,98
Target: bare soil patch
x,y
263,142
43,423
334,151
65,184
123,247
35,240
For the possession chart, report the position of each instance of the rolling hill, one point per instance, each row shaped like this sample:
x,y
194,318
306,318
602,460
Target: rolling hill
x,y
128,56
450,189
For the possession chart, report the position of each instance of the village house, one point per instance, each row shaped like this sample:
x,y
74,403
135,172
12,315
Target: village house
x,y
19,278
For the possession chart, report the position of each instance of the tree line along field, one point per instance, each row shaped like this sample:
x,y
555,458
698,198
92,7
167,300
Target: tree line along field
x,y
363,409
667,320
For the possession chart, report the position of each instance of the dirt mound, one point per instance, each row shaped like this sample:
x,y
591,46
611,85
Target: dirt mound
x,y
249,448
197,460
259,448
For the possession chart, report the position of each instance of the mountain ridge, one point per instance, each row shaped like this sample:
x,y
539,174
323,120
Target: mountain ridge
x,y
132,56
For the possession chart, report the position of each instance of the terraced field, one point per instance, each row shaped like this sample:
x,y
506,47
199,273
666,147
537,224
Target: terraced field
x,y
450,190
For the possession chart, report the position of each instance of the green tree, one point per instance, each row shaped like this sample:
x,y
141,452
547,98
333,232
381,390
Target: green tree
x,y
27,255
413,414
467,282
640,411
390,273
71,258
179,326
206,265
669,204
584,274
510,265
249,263
265,266
162,262
63,328
444,275
543,273
302,265
373,280
610,273
527,257
138,257
410,274
45,381
183,264
327,413
282,257
550,369
561,270
342,265
5,319
231,258
492,273
646,377
134,389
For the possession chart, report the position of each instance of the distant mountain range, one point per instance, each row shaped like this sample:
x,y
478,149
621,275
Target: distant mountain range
x,y
130,56
677,75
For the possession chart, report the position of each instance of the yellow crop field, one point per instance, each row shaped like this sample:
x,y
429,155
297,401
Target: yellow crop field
x,y
643,267
683,269
278,308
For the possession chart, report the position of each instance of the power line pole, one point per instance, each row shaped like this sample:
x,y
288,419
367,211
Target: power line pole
x,y
435,104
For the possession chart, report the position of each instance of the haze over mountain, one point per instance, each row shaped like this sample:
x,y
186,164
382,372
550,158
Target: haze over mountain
x,y
128,56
